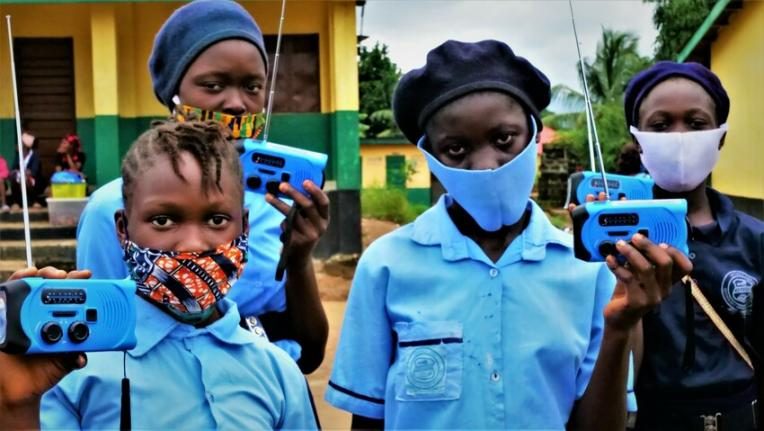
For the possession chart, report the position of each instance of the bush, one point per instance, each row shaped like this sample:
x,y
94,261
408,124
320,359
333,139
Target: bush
x,y
389,203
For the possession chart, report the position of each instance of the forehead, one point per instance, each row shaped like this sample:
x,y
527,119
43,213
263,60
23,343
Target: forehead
x,y
221,56
476,105
677,94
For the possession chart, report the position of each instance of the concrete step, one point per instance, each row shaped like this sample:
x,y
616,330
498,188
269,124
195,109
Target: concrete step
x,y
38,230
55,252
18,216
8,267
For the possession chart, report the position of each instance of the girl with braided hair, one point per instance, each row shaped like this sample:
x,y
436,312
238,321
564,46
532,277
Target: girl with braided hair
x,y
184,235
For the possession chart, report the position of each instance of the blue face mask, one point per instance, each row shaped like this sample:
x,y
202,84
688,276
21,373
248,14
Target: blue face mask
x,y
493,197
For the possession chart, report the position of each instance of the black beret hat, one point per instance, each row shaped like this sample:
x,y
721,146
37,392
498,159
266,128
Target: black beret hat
x,y
455,69
640,85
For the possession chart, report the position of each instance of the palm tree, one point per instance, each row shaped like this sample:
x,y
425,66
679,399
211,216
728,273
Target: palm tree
x,y
616,61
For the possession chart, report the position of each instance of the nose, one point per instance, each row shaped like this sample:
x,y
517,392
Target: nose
x,y
234,103
486,158
193,239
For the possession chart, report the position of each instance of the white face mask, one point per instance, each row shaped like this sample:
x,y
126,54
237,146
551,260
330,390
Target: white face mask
x,y
493,197
679,161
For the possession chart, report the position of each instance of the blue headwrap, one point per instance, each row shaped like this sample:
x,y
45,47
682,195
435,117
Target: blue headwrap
x,y
190,30
640,85
455,69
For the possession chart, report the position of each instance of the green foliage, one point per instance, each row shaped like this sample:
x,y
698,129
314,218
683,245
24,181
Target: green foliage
x,y
616,61
611,128
377,77
389,203
677,21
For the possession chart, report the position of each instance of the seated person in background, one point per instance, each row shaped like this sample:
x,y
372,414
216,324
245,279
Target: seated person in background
x,y
4,173
31,162
69,155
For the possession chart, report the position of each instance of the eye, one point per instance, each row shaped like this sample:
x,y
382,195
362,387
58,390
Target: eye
x,y
658,126
455,150
505,139
698,124
254,87
218,220
213,86
162,221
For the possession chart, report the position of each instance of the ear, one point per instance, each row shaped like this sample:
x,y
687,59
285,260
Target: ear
x,y
245,222
120,220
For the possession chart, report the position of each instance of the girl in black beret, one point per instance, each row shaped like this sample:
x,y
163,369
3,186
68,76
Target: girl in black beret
x,y
478,315
691,376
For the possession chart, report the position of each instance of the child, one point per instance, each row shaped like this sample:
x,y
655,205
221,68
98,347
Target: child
x,y
209,55
477,315
677,114
193,367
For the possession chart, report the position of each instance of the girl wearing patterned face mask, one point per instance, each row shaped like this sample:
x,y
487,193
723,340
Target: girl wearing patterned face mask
x,y
183,231
677,114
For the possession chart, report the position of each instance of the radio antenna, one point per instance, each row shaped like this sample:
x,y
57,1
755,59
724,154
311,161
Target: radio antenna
x,y
22,167
275,72
591,126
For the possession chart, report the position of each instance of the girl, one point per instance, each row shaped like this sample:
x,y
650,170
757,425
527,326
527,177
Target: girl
x,y
478,315
690,374
183,232
209,60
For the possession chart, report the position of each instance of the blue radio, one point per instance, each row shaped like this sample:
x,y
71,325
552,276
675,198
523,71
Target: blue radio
x,y
598,225
56,316
266,165
585,183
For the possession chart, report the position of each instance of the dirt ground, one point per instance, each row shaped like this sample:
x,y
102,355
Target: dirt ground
x,y
334,284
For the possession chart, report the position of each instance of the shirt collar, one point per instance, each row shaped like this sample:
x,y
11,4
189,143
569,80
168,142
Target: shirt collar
x,y
154,325
435,227
722,207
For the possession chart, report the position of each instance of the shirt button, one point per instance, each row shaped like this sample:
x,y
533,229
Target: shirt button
x,y
692,255
493,272
495,376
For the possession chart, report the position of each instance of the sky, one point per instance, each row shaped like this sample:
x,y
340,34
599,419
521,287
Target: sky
x,y
540,30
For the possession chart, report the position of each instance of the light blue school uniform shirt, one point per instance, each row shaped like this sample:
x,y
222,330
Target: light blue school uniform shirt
x,y
256,292
182,377
436,335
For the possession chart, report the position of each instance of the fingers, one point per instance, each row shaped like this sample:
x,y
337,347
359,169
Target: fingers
x,y
79,275
682,264
51,273
23,273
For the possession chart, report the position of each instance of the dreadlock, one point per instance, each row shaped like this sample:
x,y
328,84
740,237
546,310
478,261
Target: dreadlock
x,y
207,142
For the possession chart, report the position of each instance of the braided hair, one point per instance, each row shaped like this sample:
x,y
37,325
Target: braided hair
x,y
207,142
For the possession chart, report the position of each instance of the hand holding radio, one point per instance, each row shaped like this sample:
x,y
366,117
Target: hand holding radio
x,y
24,379
310,221
643,281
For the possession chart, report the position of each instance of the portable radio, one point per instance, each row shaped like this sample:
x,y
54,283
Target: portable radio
x,y
39,316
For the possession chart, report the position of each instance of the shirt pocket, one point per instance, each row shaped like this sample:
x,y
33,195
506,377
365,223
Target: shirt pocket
x,y
431,359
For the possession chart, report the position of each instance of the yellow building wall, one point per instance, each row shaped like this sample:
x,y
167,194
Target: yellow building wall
x,y
138,22
737,56
373,168
63,20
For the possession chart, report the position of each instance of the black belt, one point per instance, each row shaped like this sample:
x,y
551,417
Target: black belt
x,y
743,418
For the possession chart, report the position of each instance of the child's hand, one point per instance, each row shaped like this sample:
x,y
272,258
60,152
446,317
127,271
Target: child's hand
x,y
23,379
310,222
644,281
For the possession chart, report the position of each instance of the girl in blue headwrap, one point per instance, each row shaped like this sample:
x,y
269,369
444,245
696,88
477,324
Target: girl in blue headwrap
x,y
692,377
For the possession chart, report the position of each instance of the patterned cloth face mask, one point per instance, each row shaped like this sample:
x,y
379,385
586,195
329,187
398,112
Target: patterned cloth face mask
x,y
186,285
247,126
